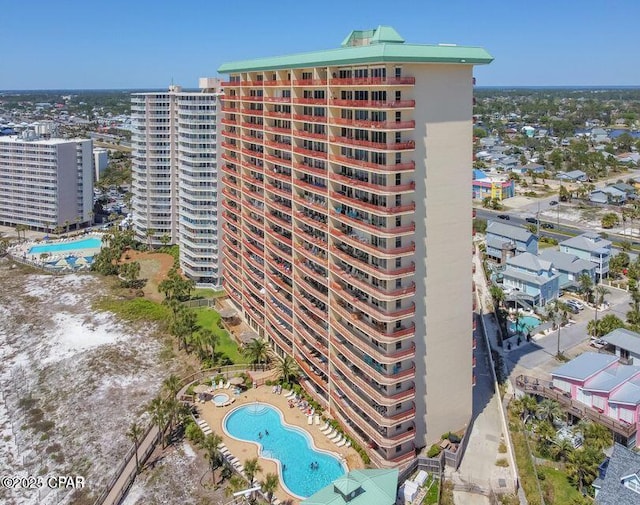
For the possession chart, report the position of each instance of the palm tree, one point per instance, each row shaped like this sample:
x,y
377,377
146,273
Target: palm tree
x,y
585,283
525,406
582,467
560,312
251,468
601,293
497,295
208,340
562,449
134,433
211,445
269,485
548,410
149,234
288,370
165,239
596,435
172,385
235,484
67,223
158,411
257,351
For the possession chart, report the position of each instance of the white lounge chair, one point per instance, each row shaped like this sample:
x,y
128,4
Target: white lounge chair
x,y
331,433
221,384
227,385
335,438
348,444
341,442
290,395
317,420
325,429
309,420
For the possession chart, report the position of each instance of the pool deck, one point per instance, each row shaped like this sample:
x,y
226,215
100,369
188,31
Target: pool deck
x,y
22,250
245,450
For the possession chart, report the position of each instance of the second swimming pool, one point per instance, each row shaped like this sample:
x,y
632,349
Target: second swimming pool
x,y
303,469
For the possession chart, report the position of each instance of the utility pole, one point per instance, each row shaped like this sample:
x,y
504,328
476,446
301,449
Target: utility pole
x,y
538,220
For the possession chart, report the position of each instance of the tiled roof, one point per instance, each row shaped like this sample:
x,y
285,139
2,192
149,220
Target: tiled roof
x,y
623,463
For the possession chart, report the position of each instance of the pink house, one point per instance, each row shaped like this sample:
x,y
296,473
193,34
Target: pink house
x,y
601,382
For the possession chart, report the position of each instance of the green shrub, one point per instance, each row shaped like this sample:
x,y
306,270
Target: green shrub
x,y
502,462
434,451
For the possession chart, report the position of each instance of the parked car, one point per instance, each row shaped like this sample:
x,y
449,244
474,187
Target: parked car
x,y
547,226
553,202
504,216
574,303
531,220
598,343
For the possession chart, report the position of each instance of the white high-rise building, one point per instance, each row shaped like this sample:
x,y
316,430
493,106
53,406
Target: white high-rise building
x,y
175,181
45,183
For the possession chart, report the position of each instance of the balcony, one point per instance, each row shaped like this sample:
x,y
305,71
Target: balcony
x,y
277,160
319,225
227,121
277,145
308,304
255,315
253,248
277,99
376,125
313,376
250,98
227,191
310,152
363,381
307,269
278,206
377,413
315,360
373,81
318,253
310,101
231,159
229,134
380,146
282,193
276,129
278,250
374,311
251,112
310,135
352,219
376,330
309,118
235,234
274,114
246,218
231,218
375,434
311,204
252,261
277,220
278,236
276,83
231,147
313,340
282,266
252,126
374,188
372,207
279,281
311,289
310,170
276,314
226,204
230,84
376,104
310,82
399,167
385,294
278,175
278,337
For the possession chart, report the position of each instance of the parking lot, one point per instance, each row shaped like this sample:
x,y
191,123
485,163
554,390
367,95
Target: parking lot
x,y
537,358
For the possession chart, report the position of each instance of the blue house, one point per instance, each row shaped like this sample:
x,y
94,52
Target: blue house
x,y
590,246
569,267
532,276
504,241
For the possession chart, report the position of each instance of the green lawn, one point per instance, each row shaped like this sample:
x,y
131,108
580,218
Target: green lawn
x,y
204,293
431,498
563,490
208,318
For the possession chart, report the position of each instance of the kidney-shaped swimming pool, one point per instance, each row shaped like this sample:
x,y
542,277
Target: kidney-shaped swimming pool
x,y
303,468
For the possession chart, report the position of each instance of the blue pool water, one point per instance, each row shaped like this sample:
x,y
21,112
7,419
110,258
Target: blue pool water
x,y
290,445
87,243
525,323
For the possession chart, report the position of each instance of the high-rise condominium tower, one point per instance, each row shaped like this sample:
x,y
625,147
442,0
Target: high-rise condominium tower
x,y
347,227
45,183
175,179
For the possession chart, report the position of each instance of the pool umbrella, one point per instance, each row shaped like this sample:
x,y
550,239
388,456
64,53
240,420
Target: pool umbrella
x,y
81,261
201,388
61,263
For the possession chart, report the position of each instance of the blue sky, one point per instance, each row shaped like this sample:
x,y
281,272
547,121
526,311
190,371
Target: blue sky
x,y
79,44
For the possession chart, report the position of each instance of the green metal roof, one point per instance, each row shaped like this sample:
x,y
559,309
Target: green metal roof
x,y
383,44
371,487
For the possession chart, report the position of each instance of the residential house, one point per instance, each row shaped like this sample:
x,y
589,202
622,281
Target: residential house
x,y
508,162
534,168
504,240
628,189
599,135
573,175
626,344
633,158
494,187
618,482
359,487
601,383
569,266
608,195
590,246
533,277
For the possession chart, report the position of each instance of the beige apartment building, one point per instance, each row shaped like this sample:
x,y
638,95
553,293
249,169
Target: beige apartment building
x,y
346,207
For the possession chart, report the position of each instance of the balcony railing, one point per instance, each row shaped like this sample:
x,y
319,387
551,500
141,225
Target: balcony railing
x,y
375,104
310,170
251,98
254,249
277,145
311,152
276,83
278,206
385,294
252,261
275,174
362,381
315,360
279,282
319,225
376,250
372,81
311,289
311,272
310,101
374,188
315,378
381,146
309,118
377,125
372,207
376,230
308,304
276,129
308,337
233,122
376,331
283,115
277,220
277,99
376,312
542,388
315,188
310,135
310,82
398,167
